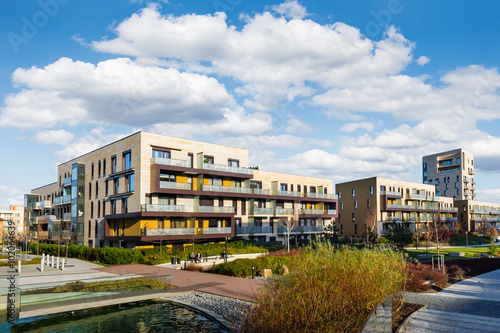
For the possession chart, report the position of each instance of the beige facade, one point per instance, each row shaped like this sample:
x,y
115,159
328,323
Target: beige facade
x,y
390,201
148,188
452,173
475,216
15,213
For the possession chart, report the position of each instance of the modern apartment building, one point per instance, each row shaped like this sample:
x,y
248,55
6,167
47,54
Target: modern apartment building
x,y
475,216
148,188
389,201
15,213
452,173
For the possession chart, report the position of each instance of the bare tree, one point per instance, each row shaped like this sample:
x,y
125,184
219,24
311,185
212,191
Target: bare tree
x,y
370,232
289,224
439,232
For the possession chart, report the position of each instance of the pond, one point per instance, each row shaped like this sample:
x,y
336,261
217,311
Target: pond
x,y
141,317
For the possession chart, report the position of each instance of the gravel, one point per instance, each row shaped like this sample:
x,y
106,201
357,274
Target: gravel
x,y
231,309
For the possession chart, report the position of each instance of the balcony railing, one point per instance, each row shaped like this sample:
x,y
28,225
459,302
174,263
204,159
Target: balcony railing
x,y
393,219
394,206
227,189
167,231
263,230
284,211
162,208
261,191
321,195
331,211
66,199
262,211
58,201
393,193
311,211
216,209
227,168
417,196
242,230
290,193
168,161
302,229
213,231
45,204
175,185
449,209
67,181
66,216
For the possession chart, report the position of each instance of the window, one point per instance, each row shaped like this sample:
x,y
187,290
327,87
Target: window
x,y
190,160
129,182
371,190
243,207
458,191
339,194
161,153
113,207
298,188
127,160
458,178
341,229
353,193
124,205
99,208
104,167
96,229
353,217
113,164
99,169
90,190
312,189
92,171
233,163
166,200
103,208
208,159
341,205
355,204
167,177
446,186
106,188
445,193
368,203
96,189
116,185
355,228
91,209
458,160
456,185
283,187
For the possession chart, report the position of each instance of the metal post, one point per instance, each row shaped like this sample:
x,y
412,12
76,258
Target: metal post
x,y
19,266
253,271
466,239
225,255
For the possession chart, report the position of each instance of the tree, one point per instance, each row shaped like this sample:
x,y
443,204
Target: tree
x,y
439,232
491,231
370,232
289,224
330,233
400,235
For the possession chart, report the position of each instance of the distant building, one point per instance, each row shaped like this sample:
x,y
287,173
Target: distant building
x,y
452,173
475,216
148,188
390,201
15,213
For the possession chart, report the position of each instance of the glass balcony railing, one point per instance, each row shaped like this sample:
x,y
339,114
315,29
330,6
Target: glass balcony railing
x,y
168,161
66,216
417,196
290,193
66,198
261,191
331,211
262,230
397,194
58,201
321,195
311,211
167,231
175,185
394,206
242,230
213,231
162,208
263,211
227,168
227,189
216,209
67,181
284,211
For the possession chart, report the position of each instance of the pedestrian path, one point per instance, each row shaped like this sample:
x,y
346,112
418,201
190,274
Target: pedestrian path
x,y
472,305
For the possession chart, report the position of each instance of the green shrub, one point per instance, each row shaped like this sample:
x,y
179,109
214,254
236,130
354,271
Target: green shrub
x,y
327,291
493,249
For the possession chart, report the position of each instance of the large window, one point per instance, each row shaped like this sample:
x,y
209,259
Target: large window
x,y
161,153
166,200
127,160
125,205
116,185
129,182
113,164
233,163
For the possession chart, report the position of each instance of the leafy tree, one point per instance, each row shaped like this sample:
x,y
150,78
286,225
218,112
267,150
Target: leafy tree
x,y
331,233
400,235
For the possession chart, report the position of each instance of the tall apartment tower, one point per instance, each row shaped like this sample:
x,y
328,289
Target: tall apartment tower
x,y
452,172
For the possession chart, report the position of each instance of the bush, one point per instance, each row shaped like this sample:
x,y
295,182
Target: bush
x,y
326,291
418,273
493,249
455,272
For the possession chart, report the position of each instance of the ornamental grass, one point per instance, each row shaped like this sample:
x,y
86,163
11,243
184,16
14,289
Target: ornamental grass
x,y
327,290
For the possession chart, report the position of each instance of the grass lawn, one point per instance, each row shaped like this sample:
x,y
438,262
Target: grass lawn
x,y
469,251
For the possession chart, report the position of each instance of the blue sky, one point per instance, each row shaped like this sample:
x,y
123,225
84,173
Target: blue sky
x,y
338,89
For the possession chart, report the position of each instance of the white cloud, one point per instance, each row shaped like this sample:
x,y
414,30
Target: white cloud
x,y
57,137
10,195
114,91
291,9
296,126
352,127
423,60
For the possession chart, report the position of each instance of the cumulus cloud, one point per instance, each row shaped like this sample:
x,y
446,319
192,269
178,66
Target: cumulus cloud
x,y
351,127
291,9
297,126
10,195
57,137
423,60
113,91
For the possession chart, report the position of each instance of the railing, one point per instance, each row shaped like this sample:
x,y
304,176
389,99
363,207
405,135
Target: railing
x,y
393,193
227,168
168,161
408,207
261,191
393,219
212,231
321,195
66,199
417,196
167,231
58,201
216,209
449,209
477,210
162,208
450,219
227,189
263,230
67,181
262,211
66,216
45,204
175,185
302,229
394,206
331,211
242,230
284,211
289,193
311,211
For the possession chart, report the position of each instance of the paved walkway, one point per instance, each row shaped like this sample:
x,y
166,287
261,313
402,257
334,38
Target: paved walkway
x,y
472,305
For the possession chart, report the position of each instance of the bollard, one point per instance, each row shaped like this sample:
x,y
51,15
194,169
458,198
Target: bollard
x,y
19,266
62,265
43,257
52,261
253,272
185,264
57,262
41,266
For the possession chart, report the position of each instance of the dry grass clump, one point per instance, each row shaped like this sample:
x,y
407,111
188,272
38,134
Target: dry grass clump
x,y
327,290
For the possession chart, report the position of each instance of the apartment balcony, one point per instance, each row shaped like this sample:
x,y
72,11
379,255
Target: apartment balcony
x,y
330,212
162,208
301,229
311,212
66,199
66,216
260,191
417,196
57,201
284,211
449,209
175,185
148,232
393,220
168,161
394,206
449,219
263,211
67,181
242,230
477,210
290,193
216,209
226,189
321,195
227,168
213,231
44,204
